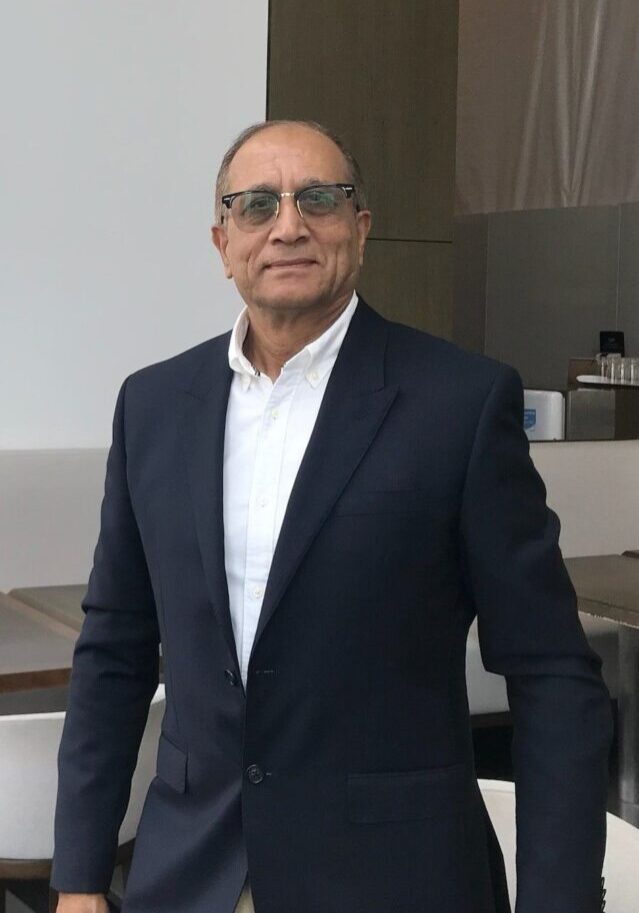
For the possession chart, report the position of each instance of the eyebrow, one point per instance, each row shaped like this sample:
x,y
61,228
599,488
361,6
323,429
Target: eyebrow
x,y
270,188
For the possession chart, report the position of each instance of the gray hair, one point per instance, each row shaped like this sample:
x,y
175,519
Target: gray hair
x,y
355,174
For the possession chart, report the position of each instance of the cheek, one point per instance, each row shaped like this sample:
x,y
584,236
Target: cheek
x,y
347,254
241,258
340,250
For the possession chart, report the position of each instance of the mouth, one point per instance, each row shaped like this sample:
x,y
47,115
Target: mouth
x,y
298,263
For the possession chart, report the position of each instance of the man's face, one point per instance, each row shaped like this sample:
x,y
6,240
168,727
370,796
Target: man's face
x,y
292,264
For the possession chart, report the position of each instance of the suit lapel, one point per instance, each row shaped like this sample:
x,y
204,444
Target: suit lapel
x,y
352,410
203,417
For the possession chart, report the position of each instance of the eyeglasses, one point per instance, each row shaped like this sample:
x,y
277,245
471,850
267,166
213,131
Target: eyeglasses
x,y
254,210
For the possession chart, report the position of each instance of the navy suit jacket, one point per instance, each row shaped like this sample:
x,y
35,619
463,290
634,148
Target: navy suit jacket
x,y
342,777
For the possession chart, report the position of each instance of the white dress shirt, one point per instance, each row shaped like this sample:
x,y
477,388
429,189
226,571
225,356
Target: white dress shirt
x,y
268,426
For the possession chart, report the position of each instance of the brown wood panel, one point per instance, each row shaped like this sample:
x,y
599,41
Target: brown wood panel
x,y
382,74
411,282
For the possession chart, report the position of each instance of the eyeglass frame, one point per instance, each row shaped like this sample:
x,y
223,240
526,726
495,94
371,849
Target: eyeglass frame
x,y
350,192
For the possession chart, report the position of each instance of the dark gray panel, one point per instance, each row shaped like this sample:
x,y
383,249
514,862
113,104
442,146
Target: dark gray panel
x,y
551,287
38,700
629,276
470,249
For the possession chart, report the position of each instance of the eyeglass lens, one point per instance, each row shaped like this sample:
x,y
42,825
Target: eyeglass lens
x,y
254,209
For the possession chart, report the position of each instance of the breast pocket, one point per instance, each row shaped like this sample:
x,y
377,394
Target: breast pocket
x,y
410,795
355,503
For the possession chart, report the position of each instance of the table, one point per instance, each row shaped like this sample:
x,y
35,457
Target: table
x,y
608,586
63,603
36,651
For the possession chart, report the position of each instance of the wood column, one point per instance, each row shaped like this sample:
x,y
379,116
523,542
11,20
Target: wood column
x,y
383,74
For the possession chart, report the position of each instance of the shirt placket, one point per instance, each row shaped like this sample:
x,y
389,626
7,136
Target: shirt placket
x,y
262,509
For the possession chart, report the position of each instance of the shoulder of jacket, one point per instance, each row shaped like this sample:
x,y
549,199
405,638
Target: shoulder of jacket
x,y
425,352
178,370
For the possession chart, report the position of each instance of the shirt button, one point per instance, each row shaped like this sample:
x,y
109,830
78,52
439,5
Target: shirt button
x,y
257,592
263,501
254,774
274,413
313,376
231,677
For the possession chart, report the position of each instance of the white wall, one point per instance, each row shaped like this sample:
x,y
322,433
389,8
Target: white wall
x,y
49,515
114,118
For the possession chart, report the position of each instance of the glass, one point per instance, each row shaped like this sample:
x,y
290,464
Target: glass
x,y
614,367
254,210
633,377
602,364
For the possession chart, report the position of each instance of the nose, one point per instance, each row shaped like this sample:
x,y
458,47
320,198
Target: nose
x,y
289,226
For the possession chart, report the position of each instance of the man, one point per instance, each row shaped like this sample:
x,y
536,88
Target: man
x,y
309,512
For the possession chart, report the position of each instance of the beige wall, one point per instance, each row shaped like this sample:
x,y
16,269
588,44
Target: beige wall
x,y
594,488
51,505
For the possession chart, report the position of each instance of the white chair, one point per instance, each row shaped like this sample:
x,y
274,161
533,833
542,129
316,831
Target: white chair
x,y
622,848
28,785
486,691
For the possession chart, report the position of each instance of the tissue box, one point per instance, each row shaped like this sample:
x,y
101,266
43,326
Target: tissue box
x,y
544,412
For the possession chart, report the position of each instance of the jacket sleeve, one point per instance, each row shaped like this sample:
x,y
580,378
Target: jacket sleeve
x,y
529,631
114,676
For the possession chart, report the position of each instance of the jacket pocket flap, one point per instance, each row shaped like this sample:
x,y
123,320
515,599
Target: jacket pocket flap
x,y
171,764
410,795
354,503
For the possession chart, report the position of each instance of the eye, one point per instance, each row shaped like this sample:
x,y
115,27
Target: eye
x,y
256,205
321,200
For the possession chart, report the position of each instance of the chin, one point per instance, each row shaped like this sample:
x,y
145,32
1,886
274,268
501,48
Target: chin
x,y
291,299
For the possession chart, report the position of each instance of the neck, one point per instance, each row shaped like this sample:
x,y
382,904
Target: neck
x,y
275,337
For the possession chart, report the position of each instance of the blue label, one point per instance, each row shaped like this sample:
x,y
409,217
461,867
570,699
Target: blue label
x,y
530,419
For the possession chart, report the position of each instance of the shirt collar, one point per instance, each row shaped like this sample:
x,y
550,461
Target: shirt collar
x,y
316,359
238,361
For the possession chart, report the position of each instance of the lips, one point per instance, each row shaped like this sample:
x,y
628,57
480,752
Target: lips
x,y
288,264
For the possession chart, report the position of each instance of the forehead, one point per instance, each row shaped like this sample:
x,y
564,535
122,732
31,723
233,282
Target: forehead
x,y
286,155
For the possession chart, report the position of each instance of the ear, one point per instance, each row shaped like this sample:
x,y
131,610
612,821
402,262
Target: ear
x,y
363,227
220,240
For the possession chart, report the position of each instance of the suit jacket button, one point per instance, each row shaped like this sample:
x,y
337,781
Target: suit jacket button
x,y
231,677
254,774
